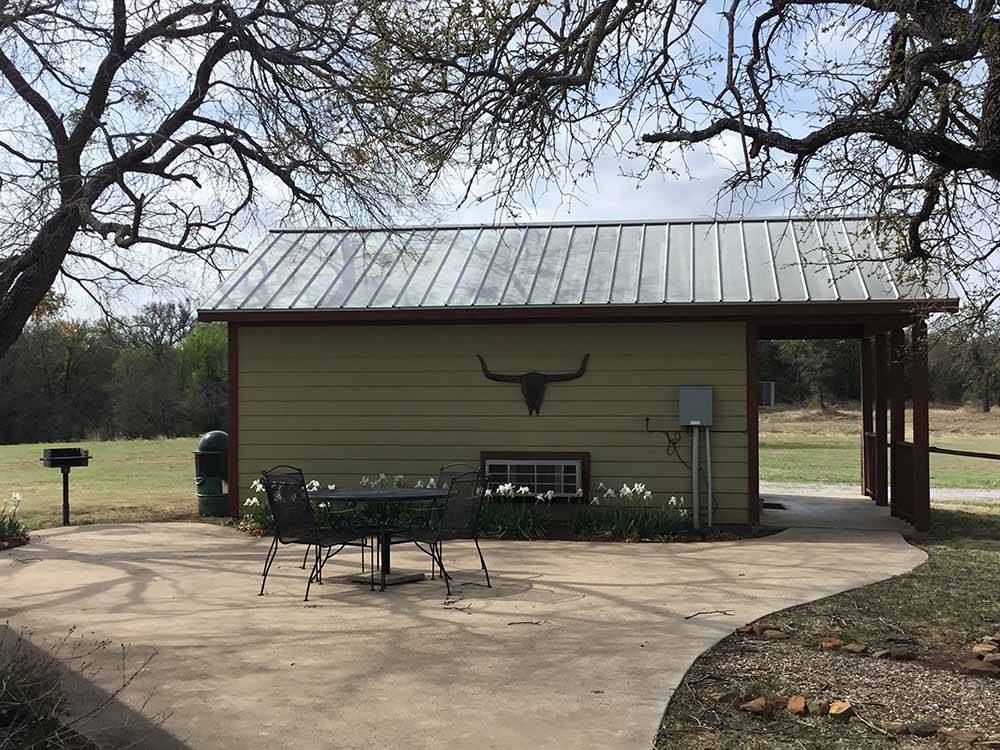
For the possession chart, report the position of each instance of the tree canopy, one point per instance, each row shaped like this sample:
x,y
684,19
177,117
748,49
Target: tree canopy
x,y
137,136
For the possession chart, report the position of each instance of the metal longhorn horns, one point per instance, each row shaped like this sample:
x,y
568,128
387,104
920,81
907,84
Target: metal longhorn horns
x,y
533,383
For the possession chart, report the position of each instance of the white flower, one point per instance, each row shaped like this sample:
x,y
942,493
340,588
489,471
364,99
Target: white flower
x,y
251,502
397,481
601,486
257,485
647,495
431,483
365,481
595,501
579,492
322,505
610,493
625,491
505,489
312,486
549,495
419,485
523,490
489,492
639,488
673,500
382,477
331,487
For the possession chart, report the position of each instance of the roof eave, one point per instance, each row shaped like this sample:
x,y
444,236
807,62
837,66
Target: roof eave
x,y
703,311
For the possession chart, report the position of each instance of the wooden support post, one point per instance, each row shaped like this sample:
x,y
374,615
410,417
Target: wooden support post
x,y
897,409
753,443
921,430
867,399
881,355
234,418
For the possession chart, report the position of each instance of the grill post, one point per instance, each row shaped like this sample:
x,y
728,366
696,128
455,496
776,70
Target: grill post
x,y
65,476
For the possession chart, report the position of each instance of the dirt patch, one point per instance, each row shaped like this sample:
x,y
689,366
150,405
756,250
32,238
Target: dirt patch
x,y
934,614
845,419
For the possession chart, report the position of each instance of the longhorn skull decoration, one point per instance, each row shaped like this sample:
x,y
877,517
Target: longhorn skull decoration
x,y
533,383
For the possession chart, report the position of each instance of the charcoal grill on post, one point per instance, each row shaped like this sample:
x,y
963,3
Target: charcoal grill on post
x,y
65,459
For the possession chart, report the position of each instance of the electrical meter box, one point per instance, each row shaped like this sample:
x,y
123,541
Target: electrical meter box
x,y
695,405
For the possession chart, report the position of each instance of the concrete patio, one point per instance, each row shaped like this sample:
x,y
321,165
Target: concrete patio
x,y
578,645
827,510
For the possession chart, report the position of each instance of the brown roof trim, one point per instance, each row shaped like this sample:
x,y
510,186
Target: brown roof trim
x,y
855,311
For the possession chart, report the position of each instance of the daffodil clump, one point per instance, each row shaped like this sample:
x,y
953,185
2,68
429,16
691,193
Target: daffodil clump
x,y
13,531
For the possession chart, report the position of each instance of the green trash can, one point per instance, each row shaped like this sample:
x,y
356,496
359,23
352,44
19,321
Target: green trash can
x,y
211,471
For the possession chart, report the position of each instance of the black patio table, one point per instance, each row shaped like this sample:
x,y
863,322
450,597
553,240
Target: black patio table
x,y
385,504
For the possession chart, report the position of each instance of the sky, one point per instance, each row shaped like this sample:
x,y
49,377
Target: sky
x,y
610,193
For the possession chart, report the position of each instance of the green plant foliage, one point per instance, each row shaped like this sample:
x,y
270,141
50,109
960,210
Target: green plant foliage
x,y
502,519
630,523
13,531
612,521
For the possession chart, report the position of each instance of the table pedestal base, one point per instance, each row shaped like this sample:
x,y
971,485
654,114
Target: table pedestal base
x,y
392,579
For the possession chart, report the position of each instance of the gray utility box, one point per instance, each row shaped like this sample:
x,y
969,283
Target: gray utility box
x,y
695,405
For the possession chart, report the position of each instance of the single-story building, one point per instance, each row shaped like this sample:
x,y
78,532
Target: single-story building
x,y
360,351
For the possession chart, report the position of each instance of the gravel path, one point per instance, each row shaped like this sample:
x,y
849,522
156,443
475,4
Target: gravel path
x,y
938,494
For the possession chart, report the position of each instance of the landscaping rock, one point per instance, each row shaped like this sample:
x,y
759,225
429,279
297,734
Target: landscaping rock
x,y
797,705
775,635
964,736
744,629
841,710
992,659
984,648
760,627
818,708
922,728
830,644
893,727
975,666
902,653
756,706
882,653
855,648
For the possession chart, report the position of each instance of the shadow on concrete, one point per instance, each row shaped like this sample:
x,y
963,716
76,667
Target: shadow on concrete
x,y
90,710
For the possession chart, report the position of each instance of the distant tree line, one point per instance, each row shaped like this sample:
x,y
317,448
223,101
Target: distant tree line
x,y
963,360
157,373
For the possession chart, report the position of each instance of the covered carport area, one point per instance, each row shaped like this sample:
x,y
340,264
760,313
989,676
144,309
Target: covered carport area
x,y
895,472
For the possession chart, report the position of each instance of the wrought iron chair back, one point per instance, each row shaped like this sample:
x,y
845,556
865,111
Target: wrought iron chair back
x,y
460,516
449,472
288,498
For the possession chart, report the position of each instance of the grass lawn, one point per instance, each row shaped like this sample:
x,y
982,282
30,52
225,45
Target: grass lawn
x,y
937,610
153,480
810,446
127,480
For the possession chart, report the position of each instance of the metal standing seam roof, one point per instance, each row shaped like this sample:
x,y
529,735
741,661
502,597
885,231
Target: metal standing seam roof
x,y
629,263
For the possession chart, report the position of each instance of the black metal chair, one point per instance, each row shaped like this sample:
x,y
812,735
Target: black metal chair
x,y
447,474
295,523
457,517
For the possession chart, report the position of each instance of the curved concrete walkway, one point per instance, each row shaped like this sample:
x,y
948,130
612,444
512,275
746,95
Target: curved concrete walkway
x,y
578,645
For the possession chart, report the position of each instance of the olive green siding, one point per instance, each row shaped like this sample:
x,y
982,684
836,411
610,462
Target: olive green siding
x,y
343,401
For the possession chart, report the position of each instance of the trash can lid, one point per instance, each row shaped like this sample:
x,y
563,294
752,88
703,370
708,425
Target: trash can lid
x,y
214,441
